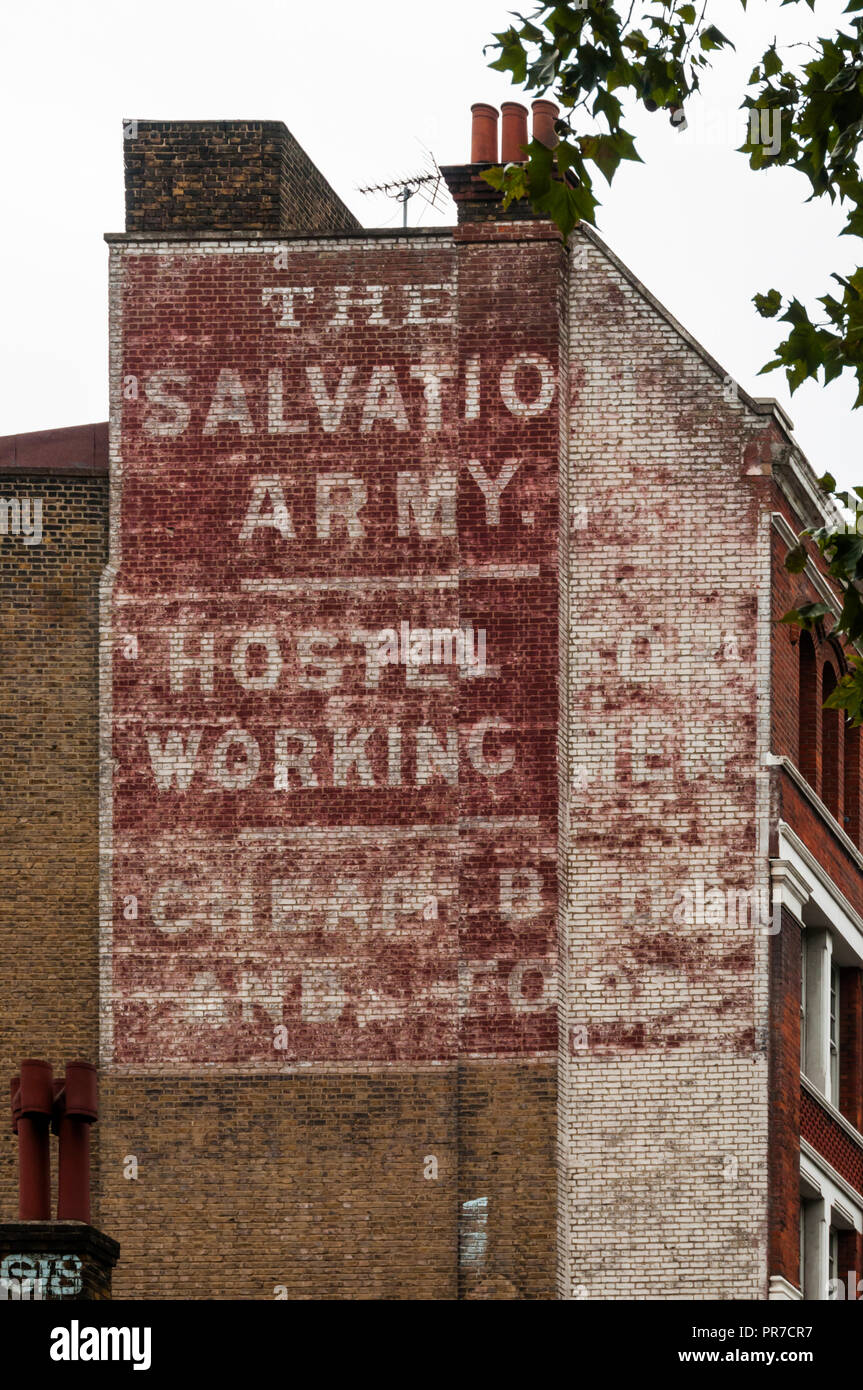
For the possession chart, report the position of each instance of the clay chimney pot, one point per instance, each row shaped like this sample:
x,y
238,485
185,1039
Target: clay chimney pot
x,y
513,135
545,113
483,135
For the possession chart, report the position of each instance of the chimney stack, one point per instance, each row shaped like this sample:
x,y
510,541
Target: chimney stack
x,y
41,1258
32,1103
192,177
475,199
67,1107
76,1108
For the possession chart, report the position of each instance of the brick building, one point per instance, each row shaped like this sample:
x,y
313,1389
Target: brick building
x,y
413,803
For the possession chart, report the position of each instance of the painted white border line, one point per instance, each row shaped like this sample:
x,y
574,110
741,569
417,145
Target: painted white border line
x,y
225,1070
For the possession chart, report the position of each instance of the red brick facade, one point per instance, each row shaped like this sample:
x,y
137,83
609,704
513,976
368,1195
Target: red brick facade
x,y
822,809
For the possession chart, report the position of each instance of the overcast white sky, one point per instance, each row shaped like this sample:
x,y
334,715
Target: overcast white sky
x,y
364,87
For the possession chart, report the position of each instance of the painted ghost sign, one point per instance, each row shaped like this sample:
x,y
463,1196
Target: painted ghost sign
x,y
328,825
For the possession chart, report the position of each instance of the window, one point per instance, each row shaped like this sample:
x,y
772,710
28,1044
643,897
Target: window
x,y
828,749
802,1243
808,736
831,738
803,1010
826,1216
833,1256
851,801
813,1256
834,1034
819,1013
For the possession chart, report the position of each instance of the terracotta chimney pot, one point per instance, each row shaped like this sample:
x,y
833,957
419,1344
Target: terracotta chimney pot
x,y
483,135
545,113
513,135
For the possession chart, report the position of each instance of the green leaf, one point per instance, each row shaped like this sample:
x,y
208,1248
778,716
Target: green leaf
x,y
638,42
851,617
844,80
811,612
711,38
512,182
566,206
807,615
847,696
768,305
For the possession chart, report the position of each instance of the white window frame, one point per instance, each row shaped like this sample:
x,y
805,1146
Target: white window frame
x,y
804,1018
832,1255
820,1043
833,1034
828,1205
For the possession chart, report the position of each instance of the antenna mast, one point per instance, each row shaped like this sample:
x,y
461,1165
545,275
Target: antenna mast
x,y
404,188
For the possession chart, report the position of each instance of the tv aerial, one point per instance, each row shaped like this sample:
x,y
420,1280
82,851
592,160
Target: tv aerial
x,y
427,183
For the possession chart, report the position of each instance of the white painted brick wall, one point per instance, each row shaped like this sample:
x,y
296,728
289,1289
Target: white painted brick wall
x,y
663,1145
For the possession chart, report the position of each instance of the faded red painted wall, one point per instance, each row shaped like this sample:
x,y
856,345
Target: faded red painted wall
x,y
302,836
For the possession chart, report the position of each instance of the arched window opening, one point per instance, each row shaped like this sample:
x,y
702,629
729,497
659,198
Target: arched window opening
x,y
852,783
807,756
831,738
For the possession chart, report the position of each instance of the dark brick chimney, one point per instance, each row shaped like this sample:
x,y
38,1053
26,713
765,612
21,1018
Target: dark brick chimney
x,y
55,1261
225,176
